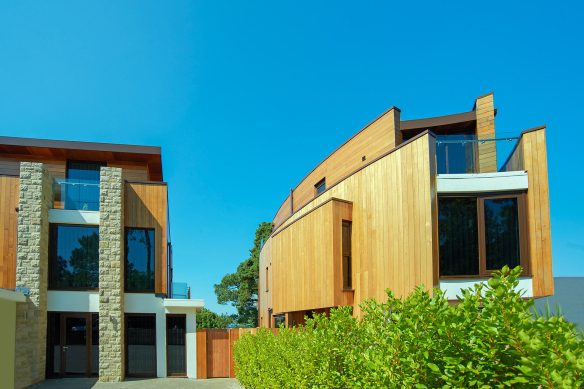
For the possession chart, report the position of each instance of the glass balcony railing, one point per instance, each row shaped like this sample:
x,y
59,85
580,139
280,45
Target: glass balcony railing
x,y
76,194
181,290
464,154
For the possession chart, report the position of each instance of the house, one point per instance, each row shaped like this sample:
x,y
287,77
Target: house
x,y
402,203
86,252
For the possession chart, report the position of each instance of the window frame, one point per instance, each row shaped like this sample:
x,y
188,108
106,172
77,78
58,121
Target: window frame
x,y
126,290
318,185
52,248
524,255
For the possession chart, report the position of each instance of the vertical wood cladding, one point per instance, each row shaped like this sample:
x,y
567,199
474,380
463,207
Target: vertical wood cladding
x,y
393,235
485,111
379,137
9,193
533,152
146,207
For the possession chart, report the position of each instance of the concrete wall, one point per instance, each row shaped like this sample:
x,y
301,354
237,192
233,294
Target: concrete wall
x,y
568,297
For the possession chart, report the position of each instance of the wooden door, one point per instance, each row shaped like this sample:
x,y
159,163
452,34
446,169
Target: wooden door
x,y
218,354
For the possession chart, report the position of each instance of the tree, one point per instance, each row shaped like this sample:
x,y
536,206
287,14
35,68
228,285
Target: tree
x,y
240,289
210,319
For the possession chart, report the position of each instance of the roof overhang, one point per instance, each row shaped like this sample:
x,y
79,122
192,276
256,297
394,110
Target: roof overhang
x,y
183,305
449,123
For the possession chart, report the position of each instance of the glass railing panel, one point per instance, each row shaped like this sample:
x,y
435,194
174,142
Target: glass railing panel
x,y
76,194
180,290
456,154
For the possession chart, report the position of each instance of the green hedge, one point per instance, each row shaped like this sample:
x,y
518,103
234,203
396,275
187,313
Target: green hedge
x,y
490,339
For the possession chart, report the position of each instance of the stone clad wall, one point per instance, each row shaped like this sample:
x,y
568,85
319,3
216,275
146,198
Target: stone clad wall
x,y
32,263
111,275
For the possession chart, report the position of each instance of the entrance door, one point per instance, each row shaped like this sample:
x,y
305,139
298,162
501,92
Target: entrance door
x,y
72,344
76,343
176,357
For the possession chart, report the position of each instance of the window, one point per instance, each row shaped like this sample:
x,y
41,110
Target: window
x,y
480,234
141,345
347,265
320,186
81,189
139,260
279,320
74,257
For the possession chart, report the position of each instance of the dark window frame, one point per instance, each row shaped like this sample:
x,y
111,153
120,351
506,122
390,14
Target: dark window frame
x,y
126,229
318,185
52,256
524,255
347,256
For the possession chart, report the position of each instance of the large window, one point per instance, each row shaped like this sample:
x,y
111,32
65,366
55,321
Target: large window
x,y
74,257
140,259
480,234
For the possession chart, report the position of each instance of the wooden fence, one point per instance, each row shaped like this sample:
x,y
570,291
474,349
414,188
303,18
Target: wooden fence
x,y
215,351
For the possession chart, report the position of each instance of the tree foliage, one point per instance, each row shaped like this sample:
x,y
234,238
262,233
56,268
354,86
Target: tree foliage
x,y
240,288
491,338
210,319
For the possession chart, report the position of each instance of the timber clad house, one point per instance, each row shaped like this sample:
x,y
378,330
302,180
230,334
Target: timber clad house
x,y
404,203
87,259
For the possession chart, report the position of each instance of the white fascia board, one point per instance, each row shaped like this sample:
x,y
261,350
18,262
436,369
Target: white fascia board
x,y
453,287
72,301
183,305
11,295
482,182
68,216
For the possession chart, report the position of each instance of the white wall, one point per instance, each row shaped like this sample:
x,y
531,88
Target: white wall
x,y
481,182
68,216
72,301
453,288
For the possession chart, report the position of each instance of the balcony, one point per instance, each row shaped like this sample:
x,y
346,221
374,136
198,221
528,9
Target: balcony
x,y
75,194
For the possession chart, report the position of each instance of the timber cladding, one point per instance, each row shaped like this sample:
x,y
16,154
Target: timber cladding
x,y
393,235
146,207
374,140
530,155
9,198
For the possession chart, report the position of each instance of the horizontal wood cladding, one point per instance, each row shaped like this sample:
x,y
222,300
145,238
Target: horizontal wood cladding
x,y
9,198
305,258
394,232
377,138
531,155
146,207
132,172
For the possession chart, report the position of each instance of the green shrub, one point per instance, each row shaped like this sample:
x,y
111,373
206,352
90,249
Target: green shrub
x,y
491,338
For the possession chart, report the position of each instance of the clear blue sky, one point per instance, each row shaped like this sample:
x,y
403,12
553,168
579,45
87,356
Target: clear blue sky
x,y
246,97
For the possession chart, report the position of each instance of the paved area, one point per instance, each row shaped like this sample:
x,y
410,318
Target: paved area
x,y
156,383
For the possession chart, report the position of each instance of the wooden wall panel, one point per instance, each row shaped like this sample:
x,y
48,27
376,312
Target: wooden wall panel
x,y
201,354
394,231
485,111
11,166
9,200
146,207
377,138
132,172
265,295
218,354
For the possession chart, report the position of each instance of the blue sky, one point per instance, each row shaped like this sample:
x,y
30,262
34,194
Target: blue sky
x,y
246,97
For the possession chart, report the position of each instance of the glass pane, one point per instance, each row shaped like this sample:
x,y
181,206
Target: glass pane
x,y
458,236
81,189
175,337
455,154
54,344
76,345
140,259
94,343
502,233
74,258
141,345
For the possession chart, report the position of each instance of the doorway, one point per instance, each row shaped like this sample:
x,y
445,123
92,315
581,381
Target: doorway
x,y
176,356
72,344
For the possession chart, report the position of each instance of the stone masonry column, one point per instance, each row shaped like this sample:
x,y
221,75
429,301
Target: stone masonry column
x,y
111,275
32,268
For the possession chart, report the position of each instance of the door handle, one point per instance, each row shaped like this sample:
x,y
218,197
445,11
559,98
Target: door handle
x,y
65,348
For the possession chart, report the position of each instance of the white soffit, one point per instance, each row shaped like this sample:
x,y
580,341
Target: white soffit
x,y
67,216
481,182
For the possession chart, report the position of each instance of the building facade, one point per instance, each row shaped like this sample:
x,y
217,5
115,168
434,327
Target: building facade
x,y
85,239
403,203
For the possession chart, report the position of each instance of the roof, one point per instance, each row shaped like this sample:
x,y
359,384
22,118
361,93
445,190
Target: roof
x,y
88,151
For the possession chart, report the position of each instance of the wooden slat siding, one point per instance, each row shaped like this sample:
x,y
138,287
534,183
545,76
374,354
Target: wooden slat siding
x,y
234,334
11,166
132,172
9,199
485,112
341,211
377,138
201,354
218,355
146,207
265,297
391,198
531,155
